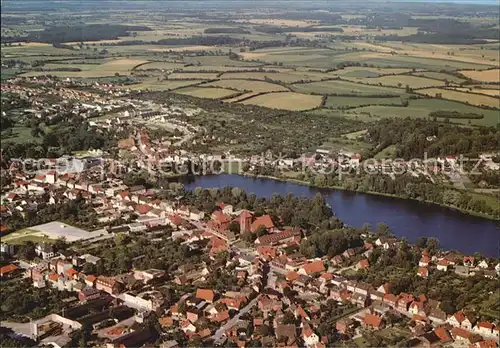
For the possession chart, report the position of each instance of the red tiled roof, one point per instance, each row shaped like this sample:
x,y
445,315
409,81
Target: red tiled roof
x,y
53,277
364,263
205,294
372,320
459,316
459,332
486,325
264,220
8,269
291,276
220,217
221,316
276,237
142,208
91,278
443,335
71,272
314,267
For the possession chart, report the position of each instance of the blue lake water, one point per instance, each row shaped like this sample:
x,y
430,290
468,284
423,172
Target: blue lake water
x,y
411,219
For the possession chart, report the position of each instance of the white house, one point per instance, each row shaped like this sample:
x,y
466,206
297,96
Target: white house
x,y
483,264
484,328
309,337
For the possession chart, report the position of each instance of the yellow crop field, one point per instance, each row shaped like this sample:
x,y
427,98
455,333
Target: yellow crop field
x,y
286,101
193,75
121,64
403,80
248,85
161,66
473,99
206,92
490,92
492,75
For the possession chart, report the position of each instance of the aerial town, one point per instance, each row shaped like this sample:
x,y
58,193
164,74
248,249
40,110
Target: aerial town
x,y
294,177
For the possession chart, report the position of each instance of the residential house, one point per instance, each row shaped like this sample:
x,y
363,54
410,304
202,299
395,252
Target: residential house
x,y
373,321
109,285
309,337
206,295
312,268
443,265
362,264
263,221
484,328
459,319
45,251
423,272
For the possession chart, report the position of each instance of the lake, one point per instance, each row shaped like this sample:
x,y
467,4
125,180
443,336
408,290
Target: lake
x,y
411,219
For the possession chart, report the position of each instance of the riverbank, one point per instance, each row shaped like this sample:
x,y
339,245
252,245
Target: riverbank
x,y
374,193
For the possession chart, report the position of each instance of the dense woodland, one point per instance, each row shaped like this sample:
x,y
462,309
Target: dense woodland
x,y
77,33
410,137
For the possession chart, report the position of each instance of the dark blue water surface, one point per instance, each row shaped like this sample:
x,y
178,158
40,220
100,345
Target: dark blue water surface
x,y
407,218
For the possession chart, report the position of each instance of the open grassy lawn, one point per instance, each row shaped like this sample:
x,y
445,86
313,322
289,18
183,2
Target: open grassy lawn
x,y
206,92
440,76
401,81
286,77
286,101
355,135
248,85
360,72
474,99
193,75
388,152
344,87
166,85
422,107
161,66
335,102
26,235
20,134
492,75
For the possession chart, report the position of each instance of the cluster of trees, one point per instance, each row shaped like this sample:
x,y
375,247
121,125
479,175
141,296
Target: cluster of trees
x,y
455,114
405,186
226,30
286,210
330,242
33,304
70,33
70,135
74,212
410,137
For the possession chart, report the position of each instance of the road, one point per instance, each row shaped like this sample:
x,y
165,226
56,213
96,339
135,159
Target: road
x,y
217,337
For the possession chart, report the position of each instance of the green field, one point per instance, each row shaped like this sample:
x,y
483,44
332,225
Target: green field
x,y
207,92
336,102
422,107
345,87
440,76
248,85
166,85
18,134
